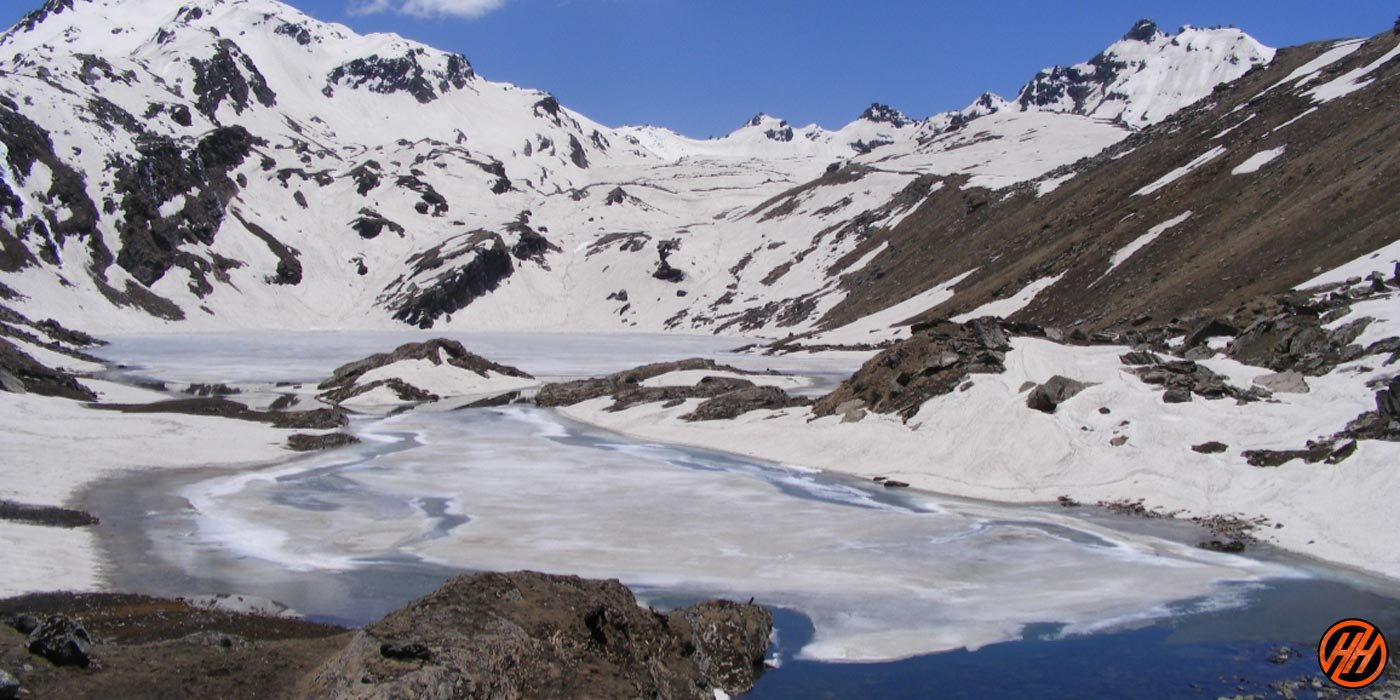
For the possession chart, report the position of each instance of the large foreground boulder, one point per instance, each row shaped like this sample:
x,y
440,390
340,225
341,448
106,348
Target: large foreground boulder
x,y
62,641
532,635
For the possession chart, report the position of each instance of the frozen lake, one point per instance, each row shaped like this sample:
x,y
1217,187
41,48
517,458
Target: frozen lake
x,y
872,574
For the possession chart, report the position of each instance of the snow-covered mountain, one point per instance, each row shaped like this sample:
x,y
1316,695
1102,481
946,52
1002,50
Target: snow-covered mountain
x,y
1147,75
237,163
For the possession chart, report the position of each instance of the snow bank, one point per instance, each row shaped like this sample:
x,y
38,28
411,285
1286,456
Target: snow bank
x,y
1181,172
1352,80
881,325
1127,251
442,379
1253,163
1010,305
51,453
985,443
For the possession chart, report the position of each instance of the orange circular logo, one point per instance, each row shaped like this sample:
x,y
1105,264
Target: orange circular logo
x,y
1352,653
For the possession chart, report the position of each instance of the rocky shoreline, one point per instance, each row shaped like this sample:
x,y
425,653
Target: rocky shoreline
x,y
496,635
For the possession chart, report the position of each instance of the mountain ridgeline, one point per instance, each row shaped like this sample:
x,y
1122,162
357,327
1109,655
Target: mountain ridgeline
x,y
238,164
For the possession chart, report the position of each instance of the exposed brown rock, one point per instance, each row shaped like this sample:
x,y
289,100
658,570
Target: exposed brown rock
x,y
531,635
578,391
318,419
736,402
302,442
344,381
20,373
932,362
1210,448
1055,391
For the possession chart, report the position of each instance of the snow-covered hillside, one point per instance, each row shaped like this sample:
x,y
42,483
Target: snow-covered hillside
x,y
237,163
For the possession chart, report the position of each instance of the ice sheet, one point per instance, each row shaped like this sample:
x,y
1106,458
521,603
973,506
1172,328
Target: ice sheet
x,y
882,575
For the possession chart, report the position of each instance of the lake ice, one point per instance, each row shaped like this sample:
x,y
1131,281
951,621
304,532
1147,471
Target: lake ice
x,y
881,574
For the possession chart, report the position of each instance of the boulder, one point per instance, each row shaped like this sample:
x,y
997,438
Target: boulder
x,y
1388,399
1212,447
1227,546
11,383
1048,396
9,686
533,635
1176,395
1138,358
1210,328
1284,383
62,641
1182,378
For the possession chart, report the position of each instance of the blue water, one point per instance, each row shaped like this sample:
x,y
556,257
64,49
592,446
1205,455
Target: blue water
x,y
1205,655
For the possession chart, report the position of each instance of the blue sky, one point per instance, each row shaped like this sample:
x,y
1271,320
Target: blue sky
x,y
701,67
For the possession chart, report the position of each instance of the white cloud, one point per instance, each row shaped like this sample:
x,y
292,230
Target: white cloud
x,y
466,9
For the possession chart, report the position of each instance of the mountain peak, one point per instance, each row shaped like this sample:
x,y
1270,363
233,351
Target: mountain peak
x,y
1142,78
885,114
1144,30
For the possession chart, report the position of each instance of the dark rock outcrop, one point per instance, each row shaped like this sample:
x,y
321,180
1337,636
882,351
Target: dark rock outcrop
x,y
580,390
40,234
229,76
1210,448
707,388
530,244
20,373
885,114
616,196
51,516
370,223
664,270
405,392
1183,378
448,277
732,404
532,635
302,442
151,242
930,363
62,641
317,419
405,73
344,382
211,390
